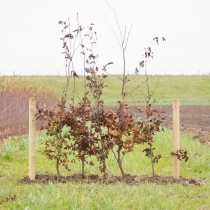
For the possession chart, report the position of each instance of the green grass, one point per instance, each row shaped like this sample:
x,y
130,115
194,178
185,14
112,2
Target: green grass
x,y
191,90
100,196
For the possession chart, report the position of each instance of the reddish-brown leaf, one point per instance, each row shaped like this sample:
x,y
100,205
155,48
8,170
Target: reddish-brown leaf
x,y
141,64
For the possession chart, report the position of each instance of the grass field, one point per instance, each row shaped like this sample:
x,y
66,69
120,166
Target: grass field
x,y
14,166
191,90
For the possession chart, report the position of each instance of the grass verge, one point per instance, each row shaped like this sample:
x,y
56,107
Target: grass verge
x,y
14,166
191,90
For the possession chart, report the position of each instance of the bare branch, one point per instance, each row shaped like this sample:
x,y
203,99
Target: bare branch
x,y
114,34
128,35
113,75
136,88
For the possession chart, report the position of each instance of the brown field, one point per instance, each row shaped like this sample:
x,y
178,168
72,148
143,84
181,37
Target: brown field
x,y
193,119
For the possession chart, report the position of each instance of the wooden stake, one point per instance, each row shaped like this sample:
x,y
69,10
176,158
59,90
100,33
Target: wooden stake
x,y
32,132
175,138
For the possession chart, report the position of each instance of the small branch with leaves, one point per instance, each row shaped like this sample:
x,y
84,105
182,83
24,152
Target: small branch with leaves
x,y
181,154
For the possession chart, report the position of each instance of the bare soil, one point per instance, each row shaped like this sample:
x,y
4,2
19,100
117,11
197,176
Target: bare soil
x,y
130,180
194,120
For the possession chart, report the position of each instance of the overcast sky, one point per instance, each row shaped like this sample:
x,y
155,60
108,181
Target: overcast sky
x,y
30,35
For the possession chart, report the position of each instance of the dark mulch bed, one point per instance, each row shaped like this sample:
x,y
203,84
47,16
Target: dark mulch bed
x,y
130,180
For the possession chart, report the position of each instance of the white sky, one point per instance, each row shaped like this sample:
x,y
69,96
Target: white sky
x,y
30,35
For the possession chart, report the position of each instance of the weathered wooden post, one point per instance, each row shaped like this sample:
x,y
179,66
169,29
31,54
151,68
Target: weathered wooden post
x,y
32,133
175,138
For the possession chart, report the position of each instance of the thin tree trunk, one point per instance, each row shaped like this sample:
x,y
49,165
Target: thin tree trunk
x,y
151,156
119,161
123,80
104,168
58,170
83,167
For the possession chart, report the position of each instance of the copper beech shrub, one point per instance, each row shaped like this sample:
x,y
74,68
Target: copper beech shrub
x,y
84,129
